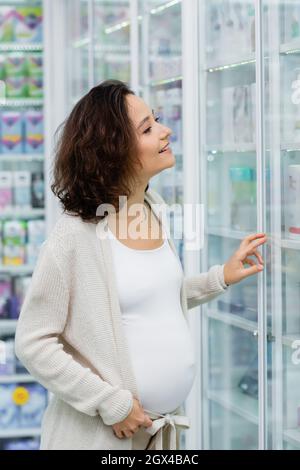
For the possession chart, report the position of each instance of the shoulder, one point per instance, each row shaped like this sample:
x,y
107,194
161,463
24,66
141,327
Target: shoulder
x,y
67,231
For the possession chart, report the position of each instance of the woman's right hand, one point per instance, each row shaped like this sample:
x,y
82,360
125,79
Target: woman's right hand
x,y
130,425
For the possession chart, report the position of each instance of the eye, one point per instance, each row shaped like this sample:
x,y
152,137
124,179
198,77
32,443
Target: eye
x,y
157,119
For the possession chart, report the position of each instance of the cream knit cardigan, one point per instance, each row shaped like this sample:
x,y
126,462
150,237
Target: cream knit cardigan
x,y
70,336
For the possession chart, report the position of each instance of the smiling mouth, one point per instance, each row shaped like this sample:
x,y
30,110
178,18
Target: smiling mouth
x,y
164,148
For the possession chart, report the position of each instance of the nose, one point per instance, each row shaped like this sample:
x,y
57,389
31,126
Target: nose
x,y
167,132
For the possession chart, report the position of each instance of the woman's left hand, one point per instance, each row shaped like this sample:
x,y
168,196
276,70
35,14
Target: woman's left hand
x,y
234,270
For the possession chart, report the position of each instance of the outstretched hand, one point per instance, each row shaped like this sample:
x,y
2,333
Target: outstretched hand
x,y
234,270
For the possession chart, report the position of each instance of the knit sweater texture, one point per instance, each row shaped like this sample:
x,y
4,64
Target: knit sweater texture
x,y
70,335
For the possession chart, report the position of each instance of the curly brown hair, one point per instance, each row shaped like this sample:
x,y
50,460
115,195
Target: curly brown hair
x,y
96,152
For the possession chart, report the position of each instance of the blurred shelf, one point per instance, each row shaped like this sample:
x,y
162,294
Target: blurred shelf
x,y
22,102
163,7
288,340
17,270
21,157
292,47
292,436
290,146
7,326
291,244
232,148
22,213
233,320
231,63
111,48
166,81
16,378
81,42
9,433
237,402
18,47
227,233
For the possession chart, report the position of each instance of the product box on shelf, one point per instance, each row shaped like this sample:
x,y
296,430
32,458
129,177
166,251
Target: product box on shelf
x,y
34,131
28,24
6,23
14,239
22,189
12,132
6,190
22,405
37,190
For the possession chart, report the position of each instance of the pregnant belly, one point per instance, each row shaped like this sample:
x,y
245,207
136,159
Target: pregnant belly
x,y
164,363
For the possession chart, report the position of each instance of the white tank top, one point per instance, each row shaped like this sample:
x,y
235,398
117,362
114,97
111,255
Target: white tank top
x,y
158,335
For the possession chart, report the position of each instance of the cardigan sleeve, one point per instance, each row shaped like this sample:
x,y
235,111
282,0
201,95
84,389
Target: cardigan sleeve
x,y
42,319
205,287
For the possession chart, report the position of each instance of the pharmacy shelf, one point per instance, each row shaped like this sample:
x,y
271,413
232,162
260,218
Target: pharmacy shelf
x,y
290,244
292,436
16,378
7,326
227,233
288,340
165,81
231,148
292,47
22,213
230,63
17,270
21,102
111,48
21,157
290,146
236,402
233,320
17,47
26,432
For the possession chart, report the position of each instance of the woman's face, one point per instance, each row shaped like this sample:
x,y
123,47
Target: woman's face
x,y
152,138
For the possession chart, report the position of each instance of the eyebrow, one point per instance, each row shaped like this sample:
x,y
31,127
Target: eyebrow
x,y
145,120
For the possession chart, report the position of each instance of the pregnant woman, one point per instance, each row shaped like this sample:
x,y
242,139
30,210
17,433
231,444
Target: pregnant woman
x,y
103,325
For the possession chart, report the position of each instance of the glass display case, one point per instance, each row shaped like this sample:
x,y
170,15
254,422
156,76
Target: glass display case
x,y
160,73
22,209
249,85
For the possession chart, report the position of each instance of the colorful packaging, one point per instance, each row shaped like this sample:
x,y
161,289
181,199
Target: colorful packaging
x,y
34,132
6,24
35,87
12,132
6,190
16,65
35,64
28,24
37,190
31,413
14,255
14,232
8,415
16,87
22,189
